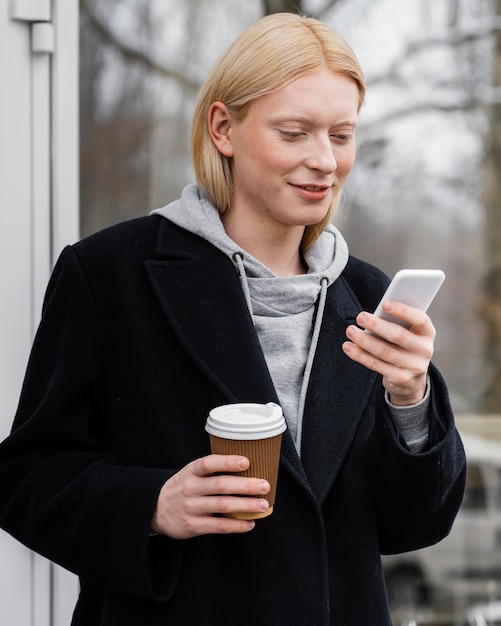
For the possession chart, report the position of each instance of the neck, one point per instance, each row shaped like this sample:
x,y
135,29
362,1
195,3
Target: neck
x,y
281,266
279,253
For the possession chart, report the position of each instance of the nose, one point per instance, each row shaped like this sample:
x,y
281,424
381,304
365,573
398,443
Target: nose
x,y
322,157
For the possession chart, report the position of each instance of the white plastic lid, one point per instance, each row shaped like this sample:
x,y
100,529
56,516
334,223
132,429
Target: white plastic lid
x,y
246,421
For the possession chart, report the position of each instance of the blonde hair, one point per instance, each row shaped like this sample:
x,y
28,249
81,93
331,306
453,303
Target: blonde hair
x,y
267,55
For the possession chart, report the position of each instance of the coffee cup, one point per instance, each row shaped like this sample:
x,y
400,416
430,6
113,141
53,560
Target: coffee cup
x,y
252,430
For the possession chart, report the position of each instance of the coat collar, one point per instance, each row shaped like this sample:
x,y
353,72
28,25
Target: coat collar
x,y
216,329
200,292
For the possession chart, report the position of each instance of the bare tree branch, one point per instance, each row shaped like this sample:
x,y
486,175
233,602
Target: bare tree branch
x,y
327,7
134,54
456,40
410,111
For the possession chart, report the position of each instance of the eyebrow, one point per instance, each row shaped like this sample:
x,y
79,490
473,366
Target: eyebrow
x,y
306,119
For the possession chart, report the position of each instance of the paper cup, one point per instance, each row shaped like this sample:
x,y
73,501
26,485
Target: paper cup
x,y
254,431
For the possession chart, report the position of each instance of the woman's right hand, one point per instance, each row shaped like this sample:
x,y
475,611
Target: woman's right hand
x,y
188,500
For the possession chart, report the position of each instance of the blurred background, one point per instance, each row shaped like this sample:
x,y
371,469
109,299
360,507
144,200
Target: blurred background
x,y
425,193
425,189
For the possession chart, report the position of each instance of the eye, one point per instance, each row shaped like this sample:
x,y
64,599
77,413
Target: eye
x,y
342,137
342,134
290,135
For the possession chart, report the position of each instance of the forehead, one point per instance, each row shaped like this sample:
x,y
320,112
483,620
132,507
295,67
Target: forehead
x,y
318,92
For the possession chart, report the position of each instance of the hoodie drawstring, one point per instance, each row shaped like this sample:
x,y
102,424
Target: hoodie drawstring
x,y
238,259
309,361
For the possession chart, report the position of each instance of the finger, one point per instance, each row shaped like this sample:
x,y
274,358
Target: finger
x,y
406,386
207,465
211,525
367,348
234,485
406,341
218,473
227,505
368,359
208,524
388,359
415,320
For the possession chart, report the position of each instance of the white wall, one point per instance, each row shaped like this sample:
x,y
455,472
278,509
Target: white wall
x,y
39,214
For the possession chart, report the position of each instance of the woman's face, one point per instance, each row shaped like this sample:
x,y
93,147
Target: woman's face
x,y
293,151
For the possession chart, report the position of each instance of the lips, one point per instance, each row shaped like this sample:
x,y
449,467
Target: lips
x,y
312,187
312,193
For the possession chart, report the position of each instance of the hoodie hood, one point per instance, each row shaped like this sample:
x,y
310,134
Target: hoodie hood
x,y
326,258
283,308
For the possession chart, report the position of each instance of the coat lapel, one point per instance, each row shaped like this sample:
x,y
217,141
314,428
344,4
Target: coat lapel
x,y
200,293
216,329
337,396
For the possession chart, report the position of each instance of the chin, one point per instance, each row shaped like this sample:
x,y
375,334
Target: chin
x,y
314,217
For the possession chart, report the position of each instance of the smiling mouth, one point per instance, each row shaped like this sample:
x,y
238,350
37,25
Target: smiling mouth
x,y
313,187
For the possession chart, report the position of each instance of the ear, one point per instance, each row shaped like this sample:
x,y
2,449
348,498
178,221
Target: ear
x,y
219,122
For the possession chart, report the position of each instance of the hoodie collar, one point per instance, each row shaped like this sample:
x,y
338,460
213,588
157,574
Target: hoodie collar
x,y
326,258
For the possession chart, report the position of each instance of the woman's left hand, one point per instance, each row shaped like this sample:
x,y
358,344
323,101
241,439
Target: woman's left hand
x,y
400,355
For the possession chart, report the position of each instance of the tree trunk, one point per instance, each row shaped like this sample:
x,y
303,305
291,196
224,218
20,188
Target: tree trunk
x,y
282,6
490,309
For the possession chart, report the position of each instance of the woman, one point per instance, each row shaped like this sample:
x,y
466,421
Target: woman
x,y
240,291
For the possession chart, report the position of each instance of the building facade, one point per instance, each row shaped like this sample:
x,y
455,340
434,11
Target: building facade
x,y
39,184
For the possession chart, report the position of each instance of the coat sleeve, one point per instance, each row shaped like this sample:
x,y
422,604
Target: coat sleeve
x,y
416,496
62,492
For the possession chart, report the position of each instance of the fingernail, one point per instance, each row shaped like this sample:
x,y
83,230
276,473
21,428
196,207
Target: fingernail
x,y
362,318
243,464
263,505
264,487
347,346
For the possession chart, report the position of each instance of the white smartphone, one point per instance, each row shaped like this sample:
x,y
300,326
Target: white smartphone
x,y
416,288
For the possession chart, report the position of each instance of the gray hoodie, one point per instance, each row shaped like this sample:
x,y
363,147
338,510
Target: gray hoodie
x,y
283,307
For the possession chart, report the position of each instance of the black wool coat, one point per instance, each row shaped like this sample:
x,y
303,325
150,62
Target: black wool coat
x,y
144,330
